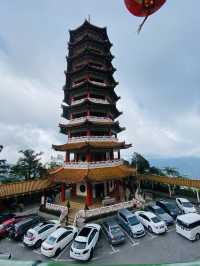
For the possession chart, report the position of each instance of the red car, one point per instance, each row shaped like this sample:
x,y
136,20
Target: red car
x,y
4,227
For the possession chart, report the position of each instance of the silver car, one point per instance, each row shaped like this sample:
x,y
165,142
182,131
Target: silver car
x,y
113,232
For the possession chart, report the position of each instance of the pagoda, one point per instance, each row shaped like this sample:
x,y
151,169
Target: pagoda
x,y
93,167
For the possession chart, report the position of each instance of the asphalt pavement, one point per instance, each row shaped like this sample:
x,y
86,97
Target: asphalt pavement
x,y
167,248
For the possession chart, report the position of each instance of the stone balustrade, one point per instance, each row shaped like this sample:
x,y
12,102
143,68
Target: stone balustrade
x,y
91,165
92,138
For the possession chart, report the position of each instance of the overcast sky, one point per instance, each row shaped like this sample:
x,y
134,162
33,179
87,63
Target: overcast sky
x,y
158,73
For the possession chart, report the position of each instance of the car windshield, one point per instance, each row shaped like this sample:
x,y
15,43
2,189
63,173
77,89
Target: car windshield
x,y
79,245
159,211
51,240
133,220
115,229
171,206
187,204
156,219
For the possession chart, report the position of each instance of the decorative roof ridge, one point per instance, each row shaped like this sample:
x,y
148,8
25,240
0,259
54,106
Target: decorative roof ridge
x,y
88,37
87,23
89,66
85,52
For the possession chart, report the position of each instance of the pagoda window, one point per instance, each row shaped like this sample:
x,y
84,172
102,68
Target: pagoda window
x,y
80,97
99,66
101,97
78,115
97,156
95,50
78,66
98,114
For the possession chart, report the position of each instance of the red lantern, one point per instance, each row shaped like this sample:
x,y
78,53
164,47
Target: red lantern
x,y
143,8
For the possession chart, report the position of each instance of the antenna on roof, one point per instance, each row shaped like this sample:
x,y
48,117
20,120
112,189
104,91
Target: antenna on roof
x,y
89,18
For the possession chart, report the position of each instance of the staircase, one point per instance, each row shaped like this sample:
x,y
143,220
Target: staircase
x,y
74,208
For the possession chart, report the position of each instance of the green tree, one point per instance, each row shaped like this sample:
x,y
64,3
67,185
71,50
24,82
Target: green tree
x,y
156,171
140,163
171,171
29,166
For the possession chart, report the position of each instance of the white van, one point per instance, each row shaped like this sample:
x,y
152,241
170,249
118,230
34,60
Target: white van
x,y
188,225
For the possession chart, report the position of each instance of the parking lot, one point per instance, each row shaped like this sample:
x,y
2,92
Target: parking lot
x,y
169,247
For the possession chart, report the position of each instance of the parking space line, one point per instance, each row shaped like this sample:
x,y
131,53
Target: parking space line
x,y
62,251
21,245
171,230
133,242
63,260
151,235
37,251
114,250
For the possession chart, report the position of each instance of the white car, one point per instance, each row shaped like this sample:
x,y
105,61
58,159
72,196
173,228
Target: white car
x,y
152,222
185,205
58,240
84,244
35,236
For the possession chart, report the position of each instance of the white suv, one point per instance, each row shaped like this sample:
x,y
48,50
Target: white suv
x,y
83,246
152,222
35,236
185,205
58,240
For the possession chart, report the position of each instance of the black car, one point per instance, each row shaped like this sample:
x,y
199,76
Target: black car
x,y
6,216
170,207
113,232
18,230
162,214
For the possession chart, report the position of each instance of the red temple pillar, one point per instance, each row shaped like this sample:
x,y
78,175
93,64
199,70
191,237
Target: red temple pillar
x,y
89,197
117,190
62,192
118,154
67,157
73,191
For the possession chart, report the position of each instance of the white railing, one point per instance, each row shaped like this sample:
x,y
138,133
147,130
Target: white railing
x,y
78,101
78,84
92,138
89,118
94,100
98,83
77,120
108,209
56,207
99,119
91,165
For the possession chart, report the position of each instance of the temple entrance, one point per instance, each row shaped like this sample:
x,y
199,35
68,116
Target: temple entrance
x,y
99,191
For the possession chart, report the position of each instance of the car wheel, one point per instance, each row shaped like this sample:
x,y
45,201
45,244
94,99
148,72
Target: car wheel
x,y
38,243
57,252
91,254
197,237
150,229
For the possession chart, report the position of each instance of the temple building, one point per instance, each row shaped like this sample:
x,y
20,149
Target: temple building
x,y
93,166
